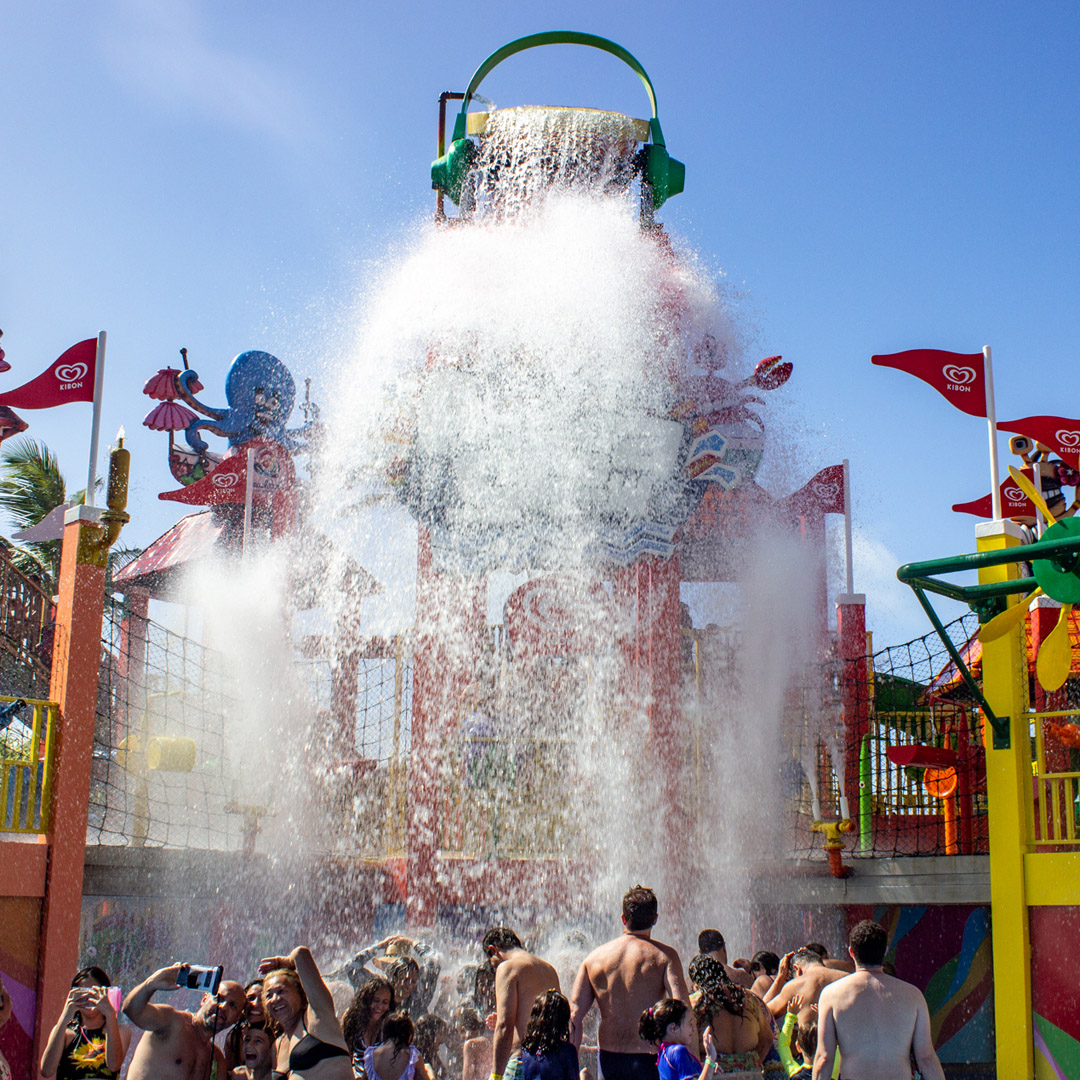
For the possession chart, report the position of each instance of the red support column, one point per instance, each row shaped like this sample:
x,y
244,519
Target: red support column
x,y
75,665
854,688
652,677
450,627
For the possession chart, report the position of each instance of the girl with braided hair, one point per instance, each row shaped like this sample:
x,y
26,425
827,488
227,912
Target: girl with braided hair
x,y
740,1028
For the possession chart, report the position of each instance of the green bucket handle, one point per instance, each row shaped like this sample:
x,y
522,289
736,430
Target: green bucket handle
x,y
665,174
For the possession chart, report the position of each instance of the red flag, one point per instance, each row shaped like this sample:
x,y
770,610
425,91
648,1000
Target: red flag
x,y
958,377
68,378
824,493
1014,503
1059,433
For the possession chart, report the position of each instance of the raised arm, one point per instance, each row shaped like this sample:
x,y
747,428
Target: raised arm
x,y
138,1008
58,1037
582,997
922,1044
783,975
320,1000
506,1010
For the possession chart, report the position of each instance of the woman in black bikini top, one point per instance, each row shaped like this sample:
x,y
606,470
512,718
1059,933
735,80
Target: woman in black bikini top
x,y
294,996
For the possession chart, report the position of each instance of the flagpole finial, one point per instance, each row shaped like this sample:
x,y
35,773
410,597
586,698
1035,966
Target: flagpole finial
x,y
183,356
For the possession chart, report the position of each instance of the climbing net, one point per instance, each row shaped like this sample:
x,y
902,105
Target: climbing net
x,y
173,739
906,769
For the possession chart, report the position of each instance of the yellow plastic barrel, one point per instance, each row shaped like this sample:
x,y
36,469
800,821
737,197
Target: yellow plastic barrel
x,y
167,753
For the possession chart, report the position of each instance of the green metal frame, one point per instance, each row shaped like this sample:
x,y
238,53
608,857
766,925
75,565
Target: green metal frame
x,y
666,176
985,600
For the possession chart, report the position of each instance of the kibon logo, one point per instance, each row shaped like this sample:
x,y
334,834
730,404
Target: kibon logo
x,y
959,378
1014,494
825,491
71,373
1070,439
225,480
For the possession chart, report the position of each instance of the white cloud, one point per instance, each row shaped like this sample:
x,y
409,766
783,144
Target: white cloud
x,y
163,49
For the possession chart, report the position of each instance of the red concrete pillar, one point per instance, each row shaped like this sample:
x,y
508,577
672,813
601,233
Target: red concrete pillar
x,y
75,665
854,688
450,629
649,592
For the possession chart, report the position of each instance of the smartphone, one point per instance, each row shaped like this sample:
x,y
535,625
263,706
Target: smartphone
x,y
116,997
196,977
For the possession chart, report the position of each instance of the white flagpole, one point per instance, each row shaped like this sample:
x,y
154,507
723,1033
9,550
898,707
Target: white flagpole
x,y
991,419
95,423
847,528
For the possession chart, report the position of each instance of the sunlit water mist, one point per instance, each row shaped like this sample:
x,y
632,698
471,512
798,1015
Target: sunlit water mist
x,y
511,383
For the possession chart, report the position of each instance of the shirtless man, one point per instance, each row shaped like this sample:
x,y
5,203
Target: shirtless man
x,y
520,978
624,978
876,1021
711,943
811,977
845,966
177,1044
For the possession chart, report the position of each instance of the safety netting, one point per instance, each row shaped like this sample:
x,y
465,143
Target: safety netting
x,y
176,740
893,747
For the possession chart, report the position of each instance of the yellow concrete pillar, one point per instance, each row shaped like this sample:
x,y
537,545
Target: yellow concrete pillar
x,y
1009,794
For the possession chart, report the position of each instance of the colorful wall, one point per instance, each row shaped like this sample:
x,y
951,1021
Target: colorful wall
x,y
20,929
1055,991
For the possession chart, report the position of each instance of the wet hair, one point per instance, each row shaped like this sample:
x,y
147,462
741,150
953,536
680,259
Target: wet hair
x,y
430,1031
484,989
357,1016
710,941
806,957
769,962
549,1024
717,990
398,1030
869,943
466,979
468,1018
500,938
91,972
806,1038
654,1022
288,975
399,967
816,946
639,908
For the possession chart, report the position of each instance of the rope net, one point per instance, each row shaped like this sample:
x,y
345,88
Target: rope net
x,y
173,740
894,746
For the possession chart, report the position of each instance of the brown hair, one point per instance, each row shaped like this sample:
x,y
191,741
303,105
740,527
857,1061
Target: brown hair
x,y
639,908
290,976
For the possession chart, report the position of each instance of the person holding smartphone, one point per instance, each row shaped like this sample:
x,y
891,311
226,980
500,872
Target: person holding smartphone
x,y
88,1040
178,1045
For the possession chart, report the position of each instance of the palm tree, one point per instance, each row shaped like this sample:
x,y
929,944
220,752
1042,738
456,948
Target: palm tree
x,y
31,484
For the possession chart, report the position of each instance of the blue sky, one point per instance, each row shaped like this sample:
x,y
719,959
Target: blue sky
x,y
872,176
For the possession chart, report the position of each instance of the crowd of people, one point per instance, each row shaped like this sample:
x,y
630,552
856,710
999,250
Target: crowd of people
x,y
631,1015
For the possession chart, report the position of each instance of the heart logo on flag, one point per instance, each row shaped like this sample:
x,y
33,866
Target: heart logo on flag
x,y
826,491
1014,494
71,372
225,480
957,374
1068,438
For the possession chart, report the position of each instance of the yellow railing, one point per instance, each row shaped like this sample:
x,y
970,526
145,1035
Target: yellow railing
x,y
26,759
1056,792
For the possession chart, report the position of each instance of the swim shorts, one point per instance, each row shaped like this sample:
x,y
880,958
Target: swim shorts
x,y
627,1066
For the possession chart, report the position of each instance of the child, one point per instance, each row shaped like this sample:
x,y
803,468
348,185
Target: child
x,y
670,1025
396,1058
546,1050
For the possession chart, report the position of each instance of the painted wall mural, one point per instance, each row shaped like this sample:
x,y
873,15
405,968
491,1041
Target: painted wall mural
x,y
1055,991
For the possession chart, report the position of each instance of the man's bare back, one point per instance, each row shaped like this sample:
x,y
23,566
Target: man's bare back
x,y
624,978
877,1022
520,979
808,986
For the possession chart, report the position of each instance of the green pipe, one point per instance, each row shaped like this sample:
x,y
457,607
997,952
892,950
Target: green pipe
x,y
866,797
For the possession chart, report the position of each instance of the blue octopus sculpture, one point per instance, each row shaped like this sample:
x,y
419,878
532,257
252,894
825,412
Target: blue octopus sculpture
x,y
260,391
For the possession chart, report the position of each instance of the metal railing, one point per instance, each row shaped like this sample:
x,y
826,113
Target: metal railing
x,y
1056,791
26,763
